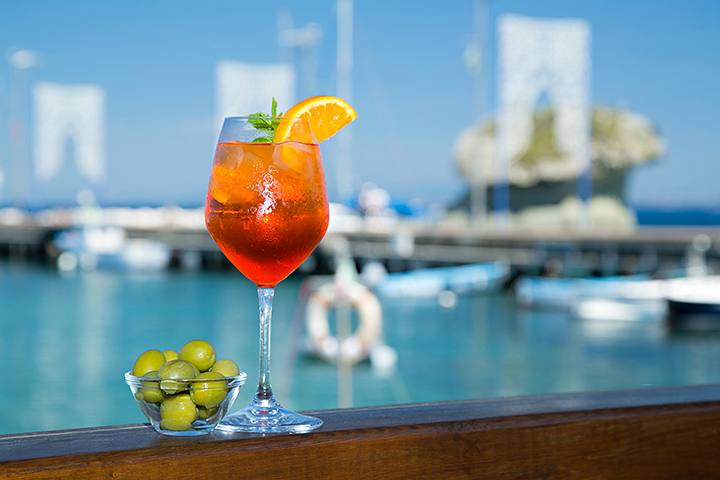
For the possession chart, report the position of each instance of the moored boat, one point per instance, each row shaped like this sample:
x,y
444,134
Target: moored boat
x,y
478,278
91,248
694,302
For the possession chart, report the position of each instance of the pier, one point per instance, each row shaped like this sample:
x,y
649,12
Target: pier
x,y
407,245
644,250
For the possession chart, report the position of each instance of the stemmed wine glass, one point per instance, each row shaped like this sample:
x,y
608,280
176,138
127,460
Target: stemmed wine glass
x,y
267,209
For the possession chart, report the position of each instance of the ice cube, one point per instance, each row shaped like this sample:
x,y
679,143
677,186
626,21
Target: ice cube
x,y
295,156
229,185
229,154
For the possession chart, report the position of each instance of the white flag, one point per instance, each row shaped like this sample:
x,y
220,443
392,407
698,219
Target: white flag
x,y
75,112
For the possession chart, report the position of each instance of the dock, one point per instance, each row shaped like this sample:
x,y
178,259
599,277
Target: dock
x,y
408,245
644,250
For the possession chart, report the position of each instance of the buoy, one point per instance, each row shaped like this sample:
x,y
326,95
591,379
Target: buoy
x,y
356,348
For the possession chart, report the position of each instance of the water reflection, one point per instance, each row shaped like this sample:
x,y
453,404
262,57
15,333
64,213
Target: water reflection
x,y
49,374
97,316
67,340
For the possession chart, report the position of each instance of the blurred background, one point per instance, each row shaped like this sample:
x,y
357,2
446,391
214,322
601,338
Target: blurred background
x,y
529,193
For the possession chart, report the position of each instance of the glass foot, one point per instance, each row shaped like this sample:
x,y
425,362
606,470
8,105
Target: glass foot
x,y
268,416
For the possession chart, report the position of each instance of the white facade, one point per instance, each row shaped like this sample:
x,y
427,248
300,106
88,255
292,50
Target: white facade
x,y
63,112
536,57
243,88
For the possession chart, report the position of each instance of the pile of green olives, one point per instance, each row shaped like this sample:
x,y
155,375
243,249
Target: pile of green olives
x,y
186,385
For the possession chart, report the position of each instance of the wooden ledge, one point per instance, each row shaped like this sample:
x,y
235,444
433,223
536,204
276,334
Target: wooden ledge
x,y
648,433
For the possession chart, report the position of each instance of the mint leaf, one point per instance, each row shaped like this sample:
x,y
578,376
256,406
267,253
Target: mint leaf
x,y
260,123
267,124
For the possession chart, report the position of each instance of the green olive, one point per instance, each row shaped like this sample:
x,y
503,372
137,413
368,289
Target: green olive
x,y
171,372
170,355
178,412
205,413
198,352
226,368
147,362
211,393
151,392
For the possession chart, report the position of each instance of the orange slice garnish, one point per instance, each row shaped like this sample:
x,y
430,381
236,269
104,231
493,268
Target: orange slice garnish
x,y
325,115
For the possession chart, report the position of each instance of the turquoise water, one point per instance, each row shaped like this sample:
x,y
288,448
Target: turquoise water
x,y
65,342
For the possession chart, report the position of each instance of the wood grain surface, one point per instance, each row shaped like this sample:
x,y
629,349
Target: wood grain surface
x,y
671,433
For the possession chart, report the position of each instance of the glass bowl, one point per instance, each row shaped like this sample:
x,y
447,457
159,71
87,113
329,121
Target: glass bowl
x,y
185,407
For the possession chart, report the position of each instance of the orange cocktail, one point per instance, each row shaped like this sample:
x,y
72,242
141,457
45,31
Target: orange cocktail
x,y
267,206
267,209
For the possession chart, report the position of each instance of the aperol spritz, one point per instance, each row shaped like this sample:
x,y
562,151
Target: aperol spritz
x,y
267,209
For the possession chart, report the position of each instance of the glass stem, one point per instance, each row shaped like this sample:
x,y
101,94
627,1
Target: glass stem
x,y
265,299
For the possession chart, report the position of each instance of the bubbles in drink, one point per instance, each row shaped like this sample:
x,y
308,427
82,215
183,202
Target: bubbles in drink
x,y
272,209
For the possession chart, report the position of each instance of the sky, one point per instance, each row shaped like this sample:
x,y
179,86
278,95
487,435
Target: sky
x,y
156,59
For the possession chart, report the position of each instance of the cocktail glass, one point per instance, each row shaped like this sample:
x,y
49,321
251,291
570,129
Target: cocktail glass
x,y
267,209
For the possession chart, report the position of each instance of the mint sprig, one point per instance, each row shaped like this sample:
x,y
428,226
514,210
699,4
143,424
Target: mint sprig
x,y
268,123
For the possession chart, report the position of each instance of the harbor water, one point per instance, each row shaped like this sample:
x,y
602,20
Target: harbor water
x,y
67,339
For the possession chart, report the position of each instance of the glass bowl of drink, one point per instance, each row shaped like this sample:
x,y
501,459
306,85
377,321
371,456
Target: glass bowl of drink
x,y
185,407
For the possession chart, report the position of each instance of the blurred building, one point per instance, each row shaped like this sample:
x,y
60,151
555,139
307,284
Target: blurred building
x,y
68,114
244,88
547,158
543,178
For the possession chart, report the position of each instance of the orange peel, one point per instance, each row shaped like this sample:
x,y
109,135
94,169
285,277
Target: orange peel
x,y
325,114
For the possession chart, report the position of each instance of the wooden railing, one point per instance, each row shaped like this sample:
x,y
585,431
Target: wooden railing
x,y
669,433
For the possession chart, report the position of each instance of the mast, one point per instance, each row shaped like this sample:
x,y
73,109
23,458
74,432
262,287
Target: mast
x,y
476,63
344,65
20,62
305,40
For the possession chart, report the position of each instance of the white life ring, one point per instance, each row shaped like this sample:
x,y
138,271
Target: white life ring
x,y
355,348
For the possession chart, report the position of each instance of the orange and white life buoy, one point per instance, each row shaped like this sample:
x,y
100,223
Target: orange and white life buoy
x,y
355,348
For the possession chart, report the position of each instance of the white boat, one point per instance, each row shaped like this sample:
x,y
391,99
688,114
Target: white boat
x,y
620,309
564,293
92,248
694,302
632,298
481,277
